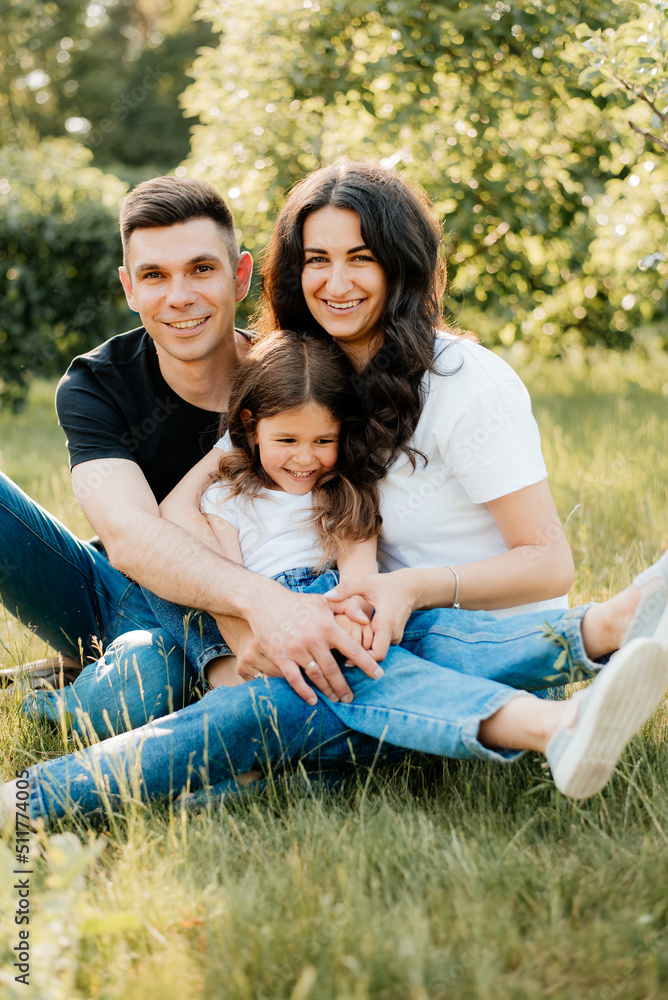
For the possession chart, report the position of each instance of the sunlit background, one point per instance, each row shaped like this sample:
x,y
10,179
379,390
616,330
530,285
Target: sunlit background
x,y
516,117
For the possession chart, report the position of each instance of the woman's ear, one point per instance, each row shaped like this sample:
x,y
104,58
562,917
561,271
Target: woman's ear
x,y
245,414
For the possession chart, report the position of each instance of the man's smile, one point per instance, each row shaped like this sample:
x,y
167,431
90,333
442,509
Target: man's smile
x,y
187,324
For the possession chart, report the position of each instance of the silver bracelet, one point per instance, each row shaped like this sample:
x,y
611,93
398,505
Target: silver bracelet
x,y
455,603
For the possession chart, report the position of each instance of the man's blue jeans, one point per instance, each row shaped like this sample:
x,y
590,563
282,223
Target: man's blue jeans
x,y
75,600
418,704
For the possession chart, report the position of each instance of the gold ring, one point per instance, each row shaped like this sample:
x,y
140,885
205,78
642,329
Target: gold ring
x,y
311,665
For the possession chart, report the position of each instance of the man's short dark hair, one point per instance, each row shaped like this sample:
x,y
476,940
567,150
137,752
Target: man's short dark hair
x,y
170,201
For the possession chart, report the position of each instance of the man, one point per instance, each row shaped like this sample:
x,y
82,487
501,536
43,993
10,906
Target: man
x,y
139,411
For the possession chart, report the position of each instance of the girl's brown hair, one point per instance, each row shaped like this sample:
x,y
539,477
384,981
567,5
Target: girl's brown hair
x,y
284,370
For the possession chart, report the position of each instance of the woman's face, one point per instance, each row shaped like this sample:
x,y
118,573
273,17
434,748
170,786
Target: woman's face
x,y
344,285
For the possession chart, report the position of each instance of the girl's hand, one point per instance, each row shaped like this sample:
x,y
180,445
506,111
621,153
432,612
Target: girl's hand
x,y
360,633
392,595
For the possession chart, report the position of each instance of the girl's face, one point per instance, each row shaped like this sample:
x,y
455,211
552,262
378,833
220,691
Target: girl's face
x,y
344,285
297,446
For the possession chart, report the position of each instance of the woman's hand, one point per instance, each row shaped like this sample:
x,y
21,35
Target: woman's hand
x,y
393,597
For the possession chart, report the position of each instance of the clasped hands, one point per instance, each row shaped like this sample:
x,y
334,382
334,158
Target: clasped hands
x,y
284,632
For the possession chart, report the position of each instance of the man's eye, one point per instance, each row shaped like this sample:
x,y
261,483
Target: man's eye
x,y
203,267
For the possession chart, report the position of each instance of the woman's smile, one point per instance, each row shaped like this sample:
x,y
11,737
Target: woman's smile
x,y
344,285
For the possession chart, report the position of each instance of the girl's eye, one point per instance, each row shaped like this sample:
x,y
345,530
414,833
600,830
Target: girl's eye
x,y
364,257
315,260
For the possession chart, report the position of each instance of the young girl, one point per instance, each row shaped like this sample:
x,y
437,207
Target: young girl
x,y
283,502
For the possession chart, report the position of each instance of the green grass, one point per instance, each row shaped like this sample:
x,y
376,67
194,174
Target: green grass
x,y
439,880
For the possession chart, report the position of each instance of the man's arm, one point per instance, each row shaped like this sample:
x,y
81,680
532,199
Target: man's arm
x,y
289,630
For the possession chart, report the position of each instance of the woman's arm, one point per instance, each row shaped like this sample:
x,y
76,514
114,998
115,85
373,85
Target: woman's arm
x,y
537,565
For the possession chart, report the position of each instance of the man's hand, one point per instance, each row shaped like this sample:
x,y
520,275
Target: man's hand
x,y
288,633
393,597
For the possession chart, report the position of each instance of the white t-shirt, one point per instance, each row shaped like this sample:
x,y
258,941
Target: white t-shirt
x,y
274,532
482,442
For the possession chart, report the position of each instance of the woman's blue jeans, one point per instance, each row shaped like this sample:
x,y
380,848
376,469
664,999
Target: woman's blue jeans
x,y
75,600
453,670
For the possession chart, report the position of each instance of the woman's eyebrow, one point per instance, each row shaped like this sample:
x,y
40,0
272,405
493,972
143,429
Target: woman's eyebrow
x,y
318,250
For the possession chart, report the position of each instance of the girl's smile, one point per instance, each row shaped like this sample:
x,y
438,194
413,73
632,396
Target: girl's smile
x,y
344,286
297,446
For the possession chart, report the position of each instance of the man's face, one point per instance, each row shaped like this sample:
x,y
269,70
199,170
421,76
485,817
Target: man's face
x,y
181,282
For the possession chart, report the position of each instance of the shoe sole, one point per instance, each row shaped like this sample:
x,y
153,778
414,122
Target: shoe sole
x,y
49,673
628,690
661,634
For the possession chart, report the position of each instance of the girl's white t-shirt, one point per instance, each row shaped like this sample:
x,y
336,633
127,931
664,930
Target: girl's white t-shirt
x,y
482,442
273,528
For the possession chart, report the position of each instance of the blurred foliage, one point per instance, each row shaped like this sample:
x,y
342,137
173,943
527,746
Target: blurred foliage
x,y
634,59
108,73
550,203
59,253
513,115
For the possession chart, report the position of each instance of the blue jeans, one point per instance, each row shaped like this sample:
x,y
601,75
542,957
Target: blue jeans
x,y
75,600
454,669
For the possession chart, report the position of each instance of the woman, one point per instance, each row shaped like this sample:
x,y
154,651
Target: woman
x,y
366,248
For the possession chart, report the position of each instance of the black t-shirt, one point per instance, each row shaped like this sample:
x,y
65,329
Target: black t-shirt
x,y
114,403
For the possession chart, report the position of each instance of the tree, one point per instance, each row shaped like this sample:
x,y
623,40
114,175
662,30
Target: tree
x,y
107,72
632,60
59,252
477,102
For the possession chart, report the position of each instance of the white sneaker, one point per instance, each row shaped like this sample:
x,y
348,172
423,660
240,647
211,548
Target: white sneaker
x,y
610,711
650,619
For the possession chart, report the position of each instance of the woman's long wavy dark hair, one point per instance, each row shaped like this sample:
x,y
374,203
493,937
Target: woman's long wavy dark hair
x,y
400,230
284,370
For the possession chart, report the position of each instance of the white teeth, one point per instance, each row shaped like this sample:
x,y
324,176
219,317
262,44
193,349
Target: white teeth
x,y
343,305
188,324
300,475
